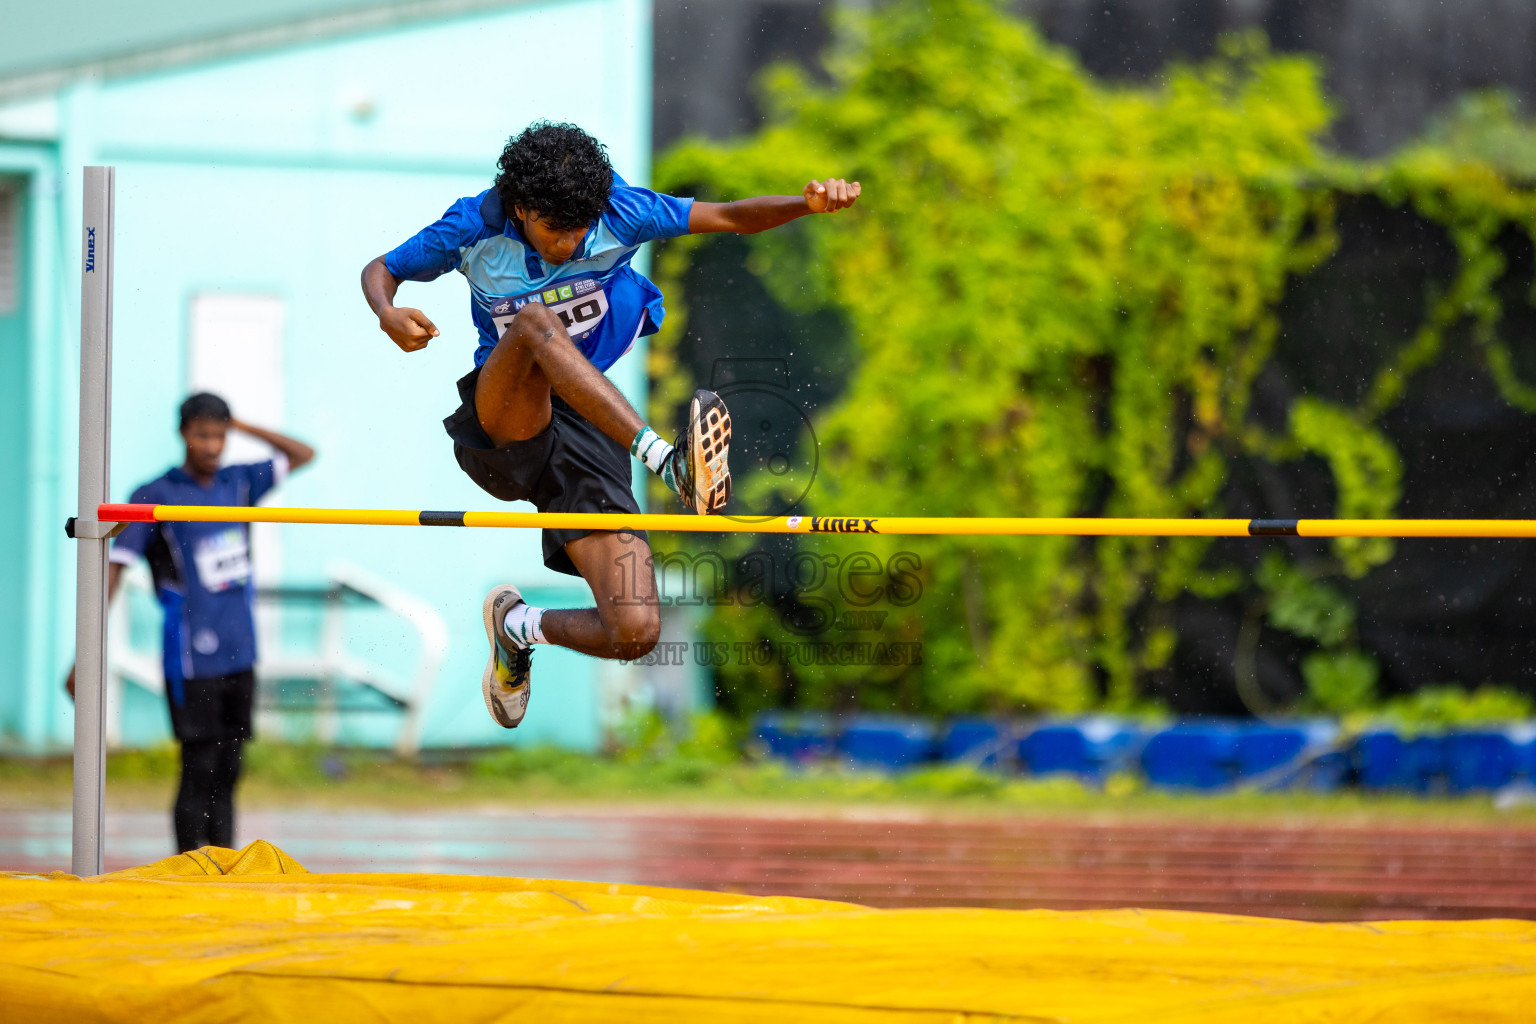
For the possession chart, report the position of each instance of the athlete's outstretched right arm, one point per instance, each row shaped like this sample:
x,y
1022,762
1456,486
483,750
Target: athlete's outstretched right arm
x,y
409,328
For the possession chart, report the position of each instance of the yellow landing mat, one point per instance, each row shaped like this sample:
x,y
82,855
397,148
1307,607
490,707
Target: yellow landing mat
x,y
225,935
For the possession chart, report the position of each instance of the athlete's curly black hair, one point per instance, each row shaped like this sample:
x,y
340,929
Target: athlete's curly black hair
x,y
557,171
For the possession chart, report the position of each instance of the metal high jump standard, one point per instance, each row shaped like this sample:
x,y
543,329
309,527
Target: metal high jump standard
x,y
90,533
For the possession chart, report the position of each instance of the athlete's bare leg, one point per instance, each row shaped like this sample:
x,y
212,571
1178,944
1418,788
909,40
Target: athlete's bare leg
x,y
535,357
627,620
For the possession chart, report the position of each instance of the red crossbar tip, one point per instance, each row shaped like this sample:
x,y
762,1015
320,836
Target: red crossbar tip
x,y
125,513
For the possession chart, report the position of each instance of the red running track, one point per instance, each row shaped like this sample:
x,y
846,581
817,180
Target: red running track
x,y
1304,873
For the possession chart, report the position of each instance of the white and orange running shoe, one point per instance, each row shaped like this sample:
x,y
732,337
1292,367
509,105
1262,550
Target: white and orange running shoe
x,y
701,456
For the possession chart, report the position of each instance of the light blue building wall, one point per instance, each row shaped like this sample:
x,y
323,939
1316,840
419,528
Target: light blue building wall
x,y
279,174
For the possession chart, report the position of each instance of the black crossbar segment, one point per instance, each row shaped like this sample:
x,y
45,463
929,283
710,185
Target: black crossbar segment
x,y
1272,527
441,518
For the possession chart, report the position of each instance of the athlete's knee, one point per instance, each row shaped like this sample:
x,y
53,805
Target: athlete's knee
x,y
633,630
533,325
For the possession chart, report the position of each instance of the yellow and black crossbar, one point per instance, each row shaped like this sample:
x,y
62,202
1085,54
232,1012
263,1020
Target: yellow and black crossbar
x,y
892,525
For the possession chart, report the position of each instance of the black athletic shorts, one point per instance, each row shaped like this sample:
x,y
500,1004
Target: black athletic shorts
x,y
570,467
217,708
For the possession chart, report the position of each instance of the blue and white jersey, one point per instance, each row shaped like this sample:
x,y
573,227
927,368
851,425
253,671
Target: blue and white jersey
x,y
603,302
202,571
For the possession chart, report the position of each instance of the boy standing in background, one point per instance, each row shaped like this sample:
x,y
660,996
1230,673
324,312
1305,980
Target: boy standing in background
x,y
202,576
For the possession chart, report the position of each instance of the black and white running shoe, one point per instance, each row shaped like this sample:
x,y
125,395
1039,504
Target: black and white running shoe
x,y
508,679
700,458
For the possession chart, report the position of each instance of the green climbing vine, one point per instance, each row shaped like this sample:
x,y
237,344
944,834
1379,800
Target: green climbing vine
x,y
1061,294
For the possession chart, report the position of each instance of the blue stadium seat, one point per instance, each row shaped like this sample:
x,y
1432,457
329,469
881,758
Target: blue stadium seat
x,y
1057,748
1291,754
981,741
1260,748
1386,760
1193,756
795,737
1091,747
886,741
1479,760
1525,753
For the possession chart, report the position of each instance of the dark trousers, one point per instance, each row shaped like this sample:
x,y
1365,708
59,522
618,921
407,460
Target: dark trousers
x,y
205,801
212,719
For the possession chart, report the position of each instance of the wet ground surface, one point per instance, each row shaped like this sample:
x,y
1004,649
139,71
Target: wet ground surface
x,y
1306,873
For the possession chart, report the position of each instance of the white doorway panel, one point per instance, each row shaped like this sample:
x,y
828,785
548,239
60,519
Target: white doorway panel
x,y
237,353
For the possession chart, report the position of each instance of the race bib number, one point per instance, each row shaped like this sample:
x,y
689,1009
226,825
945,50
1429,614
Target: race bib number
x,y
223,560
580,304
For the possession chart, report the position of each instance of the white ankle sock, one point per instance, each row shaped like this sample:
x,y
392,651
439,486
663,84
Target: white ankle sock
x,y
525,624
650,449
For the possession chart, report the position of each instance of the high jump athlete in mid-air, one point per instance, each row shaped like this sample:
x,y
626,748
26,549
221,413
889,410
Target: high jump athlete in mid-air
x,y
547,252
